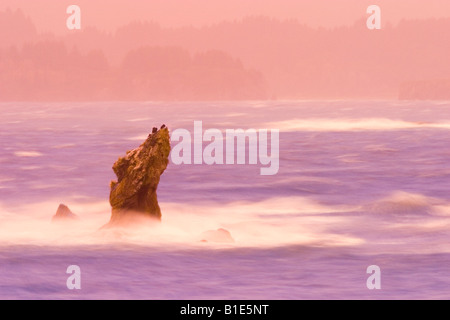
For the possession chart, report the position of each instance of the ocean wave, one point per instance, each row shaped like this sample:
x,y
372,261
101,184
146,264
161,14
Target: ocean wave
x,y
403,203
372,124
28,154
274,222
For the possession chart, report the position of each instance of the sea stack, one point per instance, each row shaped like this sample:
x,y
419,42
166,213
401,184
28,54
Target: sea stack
x,y
138,174
64,214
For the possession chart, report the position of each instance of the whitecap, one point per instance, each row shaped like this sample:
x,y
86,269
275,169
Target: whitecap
x,y
371,124
28,154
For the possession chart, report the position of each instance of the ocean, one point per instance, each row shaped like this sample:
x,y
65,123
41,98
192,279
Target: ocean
x,y
360,183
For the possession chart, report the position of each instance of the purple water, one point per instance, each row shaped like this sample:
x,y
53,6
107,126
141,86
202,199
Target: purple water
x,y
360,183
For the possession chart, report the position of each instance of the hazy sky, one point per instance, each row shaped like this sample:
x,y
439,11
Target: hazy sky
x,y
50,15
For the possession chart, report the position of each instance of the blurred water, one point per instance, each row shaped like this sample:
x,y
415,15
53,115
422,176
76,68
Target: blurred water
x,y
360,183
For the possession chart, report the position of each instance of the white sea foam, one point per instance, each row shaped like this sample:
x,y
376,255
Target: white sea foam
x,y
374,124
28,154
250,224
138,119
273,222
403,203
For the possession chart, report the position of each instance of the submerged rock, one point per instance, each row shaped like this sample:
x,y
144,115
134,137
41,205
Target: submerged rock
x,y
219,235
138,175
63,214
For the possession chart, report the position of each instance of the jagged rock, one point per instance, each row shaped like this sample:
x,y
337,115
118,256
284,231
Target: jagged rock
x,y
219,235
63,214
138,175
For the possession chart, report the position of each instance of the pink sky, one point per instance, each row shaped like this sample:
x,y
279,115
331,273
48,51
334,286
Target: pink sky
x,y
49,15
254,59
